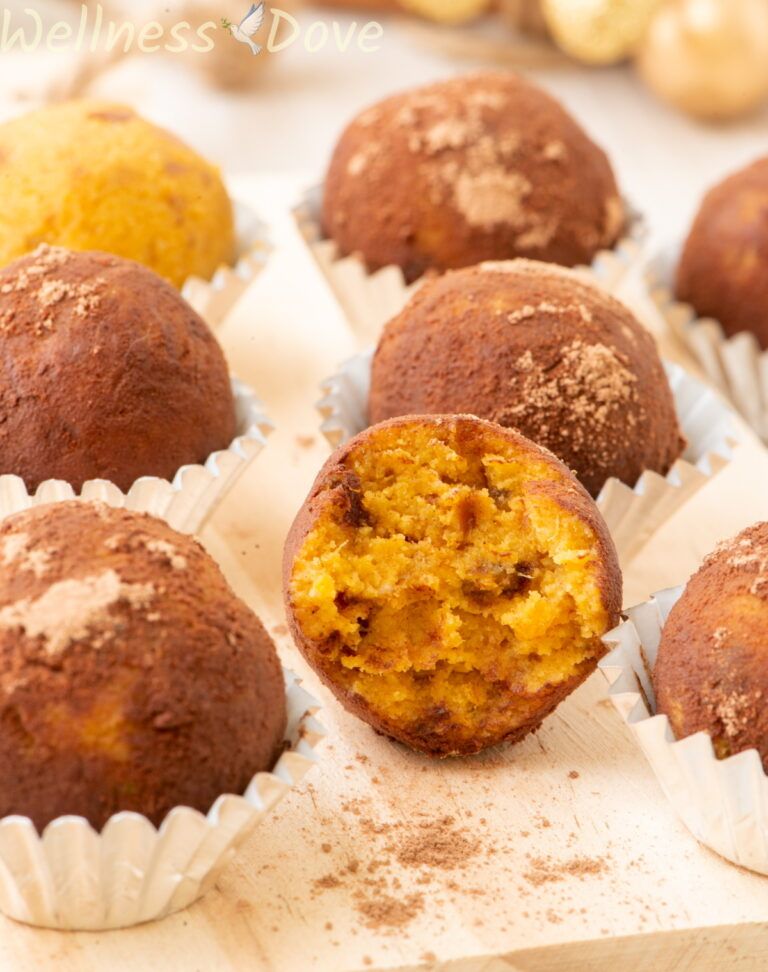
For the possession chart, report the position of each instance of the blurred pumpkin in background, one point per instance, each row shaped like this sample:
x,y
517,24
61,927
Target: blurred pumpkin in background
x,y
598,31
708,57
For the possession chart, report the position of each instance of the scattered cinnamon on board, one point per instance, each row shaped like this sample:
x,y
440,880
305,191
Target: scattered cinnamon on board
x,y
385,912
438,844
404,866
544,870
326,882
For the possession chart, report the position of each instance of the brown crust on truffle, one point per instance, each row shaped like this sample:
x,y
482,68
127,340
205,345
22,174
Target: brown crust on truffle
x,y
336,486
710,672
433,738
107,373
539,349
724,264
131,677
480,167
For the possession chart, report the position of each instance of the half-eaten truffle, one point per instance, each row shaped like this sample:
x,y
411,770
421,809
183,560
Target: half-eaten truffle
x,y
450,581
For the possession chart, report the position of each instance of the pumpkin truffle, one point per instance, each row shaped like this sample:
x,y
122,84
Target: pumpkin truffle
x,y
131,677
105,373
450,581
539,349
91,175
723,270
481,167
710,673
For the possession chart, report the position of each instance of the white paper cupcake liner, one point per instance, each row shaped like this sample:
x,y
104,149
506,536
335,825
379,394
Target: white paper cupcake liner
x,y
75,878
213,299
188,501
724,803
369,300
634,514
736,365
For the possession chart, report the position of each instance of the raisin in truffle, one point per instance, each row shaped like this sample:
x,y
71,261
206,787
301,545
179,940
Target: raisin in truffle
x,y
131,677
710,673
91,175
484,167
539,349
723,271
450,581
105,373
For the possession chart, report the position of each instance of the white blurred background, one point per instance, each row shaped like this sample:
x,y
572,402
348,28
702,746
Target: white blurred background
x,y
285,118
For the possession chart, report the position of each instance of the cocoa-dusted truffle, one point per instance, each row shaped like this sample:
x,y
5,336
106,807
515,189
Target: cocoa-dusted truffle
x,y
131,677
710,672
105,373
539,349
723,271
450,581
481,167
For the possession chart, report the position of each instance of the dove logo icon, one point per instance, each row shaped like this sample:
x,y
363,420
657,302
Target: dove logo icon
x,y
285,30
247,27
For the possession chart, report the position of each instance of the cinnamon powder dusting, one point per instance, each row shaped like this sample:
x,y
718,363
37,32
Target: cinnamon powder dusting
x,y
415,864
422,848
591,378
544,870
386,912
437,844
70,609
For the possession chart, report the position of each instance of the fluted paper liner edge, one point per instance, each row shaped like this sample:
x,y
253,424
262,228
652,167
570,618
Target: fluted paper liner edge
x,y
723,803
213,299
736,365
187,501
72,877
369,300
634,514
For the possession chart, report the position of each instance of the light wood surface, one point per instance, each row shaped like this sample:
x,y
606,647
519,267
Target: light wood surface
x,y
574,859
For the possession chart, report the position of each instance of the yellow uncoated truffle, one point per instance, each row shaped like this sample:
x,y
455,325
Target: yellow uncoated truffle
x,y
89,175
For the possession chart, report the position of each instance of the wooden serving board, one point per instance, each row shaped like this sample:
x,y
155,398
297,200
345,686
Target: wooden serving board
x,y
558,854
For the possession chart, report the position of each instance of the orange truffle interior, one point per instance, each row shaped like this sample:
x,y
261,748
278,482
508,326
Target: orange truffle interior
x,y
464,591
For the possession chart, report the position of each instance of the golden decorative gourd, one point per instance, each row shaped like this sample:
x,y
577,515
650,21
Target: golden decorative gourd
x,y
708,57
